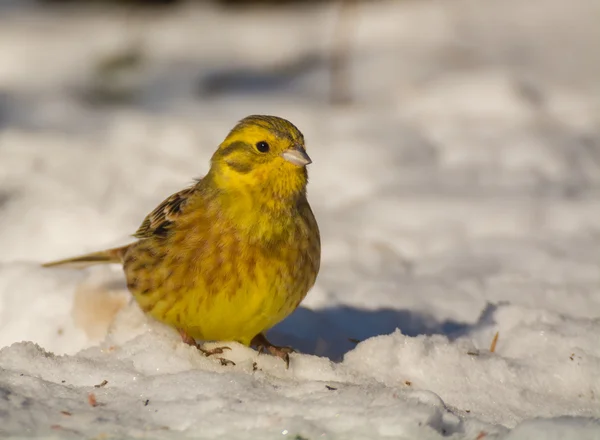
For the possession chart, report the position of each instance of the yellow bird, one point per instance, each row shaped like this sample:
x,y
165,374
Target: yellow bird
x,y
234,254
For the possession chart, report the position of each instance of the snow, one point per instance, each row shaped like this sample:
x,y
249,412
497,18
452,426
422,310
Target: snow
x,y
457,196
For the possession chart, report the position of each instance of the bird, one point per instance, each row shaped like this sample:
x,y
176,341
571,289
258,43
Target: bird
x,y
232,255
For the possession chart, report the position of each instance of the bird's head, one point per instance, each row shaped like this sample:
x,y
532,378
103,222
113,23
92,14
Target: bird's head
x,y
262,153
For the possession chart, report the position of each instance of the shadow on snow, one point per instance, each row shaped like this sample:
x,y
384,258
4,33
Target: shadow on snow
x,y
332,332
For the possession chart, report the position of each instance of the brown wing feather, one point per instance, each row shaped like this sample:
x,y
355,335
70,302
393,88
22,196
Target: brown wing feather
x,y
158,222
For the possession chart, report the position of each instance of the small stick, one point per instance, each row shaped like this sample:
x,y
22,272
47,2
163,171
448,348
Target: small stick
x,y
101,384
494,342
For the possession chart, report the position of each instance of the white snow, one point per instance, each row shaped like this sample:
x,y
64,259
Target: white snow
x,y
458,196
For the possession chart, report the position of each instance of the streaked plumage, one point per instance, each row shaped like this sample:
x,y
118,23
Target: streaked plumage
x,y
234,254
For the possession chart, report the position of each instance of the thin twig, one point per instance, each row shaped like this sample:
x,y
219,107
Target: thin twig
x,y
494,342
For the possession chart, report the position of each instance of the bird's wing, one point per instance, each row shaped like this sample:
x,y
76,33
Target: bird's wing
x,y
158,222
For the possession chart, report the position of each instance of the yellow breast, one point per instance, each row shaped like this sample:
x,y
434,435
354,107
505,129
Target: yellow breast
x,y
218,282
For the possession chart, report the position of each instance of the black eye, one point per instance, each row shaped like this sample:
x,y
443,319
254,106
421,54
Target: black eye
x,y
262,146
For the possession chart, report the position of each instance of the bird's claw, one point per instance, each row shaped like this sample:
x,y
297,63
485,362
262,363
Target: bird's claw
x,y
264,346
210,352
187,339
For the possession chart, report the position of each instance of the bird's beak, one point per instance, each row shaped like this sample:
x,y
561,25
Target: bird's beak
x,y
296,155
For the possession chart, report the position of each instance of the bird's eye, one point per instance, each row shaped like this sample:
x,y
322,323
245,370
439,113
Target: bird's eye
x,y
262,146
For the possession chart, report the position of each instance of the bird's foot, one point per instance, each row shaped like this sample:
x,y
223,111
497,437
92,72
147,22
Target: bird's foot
x,y
187,339
209,352
263,345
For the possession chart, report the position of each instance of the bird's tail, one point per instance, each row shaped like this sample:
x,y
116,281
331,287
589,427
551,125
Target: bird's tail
x,y
114,255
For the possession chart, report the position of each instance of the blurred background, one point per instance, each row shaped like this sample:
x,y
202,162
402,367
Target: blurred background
x,y
456,143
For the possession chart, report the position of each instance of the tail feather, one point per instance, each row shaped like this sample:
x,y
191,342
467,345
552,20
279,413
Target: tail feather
x,y
107,256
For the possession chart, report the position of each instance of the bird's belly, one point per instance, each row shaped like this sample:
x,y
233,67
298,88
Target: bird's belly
x,y
227,302
240,314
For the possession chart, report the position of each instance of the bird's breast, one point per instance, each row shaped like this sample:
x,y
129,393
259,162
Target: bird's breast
x,y
219,281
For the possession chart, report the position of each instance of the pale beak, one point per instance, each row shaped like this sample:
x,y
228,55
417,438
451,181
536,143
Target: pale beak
x,y
297,156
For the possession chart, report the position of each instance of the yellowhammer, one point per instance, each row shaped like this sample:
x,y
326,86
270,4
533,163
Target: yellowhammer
x,y
234,254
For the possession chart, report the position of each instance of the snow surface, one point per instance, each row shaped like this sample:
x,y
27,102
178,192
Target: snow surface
x,y
458,196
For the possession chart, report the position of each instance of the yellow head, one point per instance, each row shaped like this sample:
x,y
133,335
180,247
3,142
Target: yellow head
x,y
262,154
